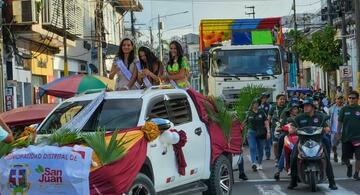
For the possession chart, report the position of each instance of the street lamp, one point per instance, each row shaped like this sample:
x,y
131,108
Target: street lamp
x,y
160,27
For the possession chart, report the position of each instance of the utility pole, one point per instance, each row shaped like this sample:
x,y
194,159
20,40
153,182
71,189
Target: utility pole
x,y
250,13
296,57
133,32
160,43
342,13
66,68
2,73
357,24
151,37
99,35
330,12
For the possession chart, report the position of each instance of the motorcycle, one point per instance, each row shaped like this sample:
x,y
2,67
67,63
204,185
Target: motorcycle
x,y
311,162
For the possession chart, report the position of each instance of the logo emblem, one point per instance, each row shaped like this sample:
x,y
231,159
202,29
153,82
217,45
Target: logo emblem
x,y
316,120
357,113
260,116
18,179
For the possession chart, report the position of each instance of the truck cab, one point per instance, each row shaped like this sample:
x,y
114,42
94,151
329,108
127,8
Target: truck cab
x,y
232,67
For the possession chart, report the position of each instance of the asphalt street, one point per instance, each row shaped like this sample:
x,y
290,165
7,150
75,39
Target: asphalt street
x,y
263,183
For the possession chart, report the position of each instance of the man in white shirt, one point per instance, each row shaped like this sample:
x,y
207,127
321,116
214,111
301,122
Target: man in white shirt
x,y
6,135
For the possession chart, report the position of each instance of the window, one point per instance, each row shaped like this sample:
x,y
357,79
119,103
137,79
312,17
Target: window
x,y
61,116
115,114
111,115
180,110
158,110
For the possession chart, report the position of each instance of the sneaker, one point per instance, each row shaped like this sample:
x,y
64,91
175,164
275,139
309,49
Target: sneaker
x,y
336,158
243,176
349,170
277,176
259,167
333,187
254,167
356,176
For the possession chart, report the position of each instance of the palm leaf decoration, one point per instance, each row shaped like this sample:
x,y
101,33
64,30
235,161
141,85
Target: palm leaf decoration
x,y
64,137
221,115
107,153
23,142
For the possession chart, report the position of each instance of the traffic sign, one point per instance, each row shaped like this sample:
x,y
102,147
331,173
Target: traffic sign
x,y
346,73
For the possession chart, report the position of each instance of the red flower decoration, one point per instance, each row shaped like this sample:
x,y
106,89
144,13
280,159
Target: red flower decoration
x,y
180,158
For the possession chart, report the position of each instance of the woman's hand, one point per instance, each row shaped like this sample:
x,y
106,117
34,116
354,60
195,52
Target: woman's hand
x,y
147,72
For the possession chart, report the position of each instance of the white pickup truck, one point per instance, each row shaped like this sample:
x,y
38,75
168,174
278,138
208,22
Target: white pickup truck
x,y
159,174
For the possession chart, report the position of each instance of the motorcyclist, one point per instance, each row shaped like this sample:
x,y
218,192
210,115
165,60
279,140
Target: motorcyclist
x,y
287,117
310,118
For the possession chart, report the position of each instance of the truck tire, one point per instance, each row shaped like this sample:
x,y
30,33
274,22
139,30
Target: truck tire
x,y
221,177
142,186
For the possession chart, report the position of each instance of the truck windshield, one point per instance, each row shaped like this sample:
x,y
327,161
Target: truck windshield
x,y
246,62
111,115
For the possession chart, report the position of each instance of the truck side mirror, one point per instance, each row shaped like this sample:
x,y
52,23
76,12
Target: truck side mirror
x,y
163,124
205,62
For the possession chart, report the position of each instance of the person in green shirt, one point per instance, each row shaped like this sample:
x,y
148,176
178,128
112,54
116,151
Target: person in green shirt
x,y
258,132
310,117
348,130
274,118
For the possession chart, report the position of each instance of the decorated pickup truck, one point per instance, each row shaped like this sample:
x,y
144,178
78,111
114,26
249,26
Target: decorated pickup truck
x,y
169,146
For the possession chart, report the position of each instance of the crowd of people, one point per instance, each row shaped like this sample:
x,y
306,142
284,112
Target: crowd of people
x,y
144,69
339,119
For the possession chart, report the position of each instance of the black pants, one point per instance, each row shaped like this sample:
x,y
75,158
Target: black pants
x,y
293,164
281,143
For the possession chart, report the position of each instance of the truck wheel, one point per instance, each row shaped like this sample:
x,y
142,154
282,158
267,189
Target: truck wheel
x,y
221,178
142,186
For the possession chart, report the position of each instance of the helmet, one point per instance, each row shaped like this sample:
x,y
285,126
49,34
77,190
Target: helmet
x,y
293,105
265,95
308,101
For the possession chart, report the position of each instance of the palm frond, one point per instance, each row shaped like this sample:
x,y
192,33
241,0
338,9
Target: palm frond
x,y
221,115
107,153
63,137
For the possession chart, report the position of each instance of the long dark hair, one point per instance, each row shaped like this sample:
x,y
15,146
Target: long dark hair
x,y
180,53
151,60
131,55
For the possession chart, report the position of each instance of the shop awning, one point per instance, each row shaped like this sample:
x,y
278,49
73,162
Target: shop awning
x,y
131,5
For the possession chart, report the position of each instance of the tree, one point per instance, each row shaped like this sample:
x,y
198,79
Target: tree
x,y
321,48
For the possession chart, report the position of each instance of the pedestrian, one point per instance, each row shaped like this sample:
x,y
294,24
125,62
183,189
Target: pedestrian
x,y
310,118
349,132
178,68
287,117
274,118
151,66
124,67
6,135
265,106
258,132
240,163
334,117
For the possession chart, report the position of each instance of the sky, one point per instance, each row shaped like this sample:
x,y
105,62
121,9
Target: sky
x,y
210,9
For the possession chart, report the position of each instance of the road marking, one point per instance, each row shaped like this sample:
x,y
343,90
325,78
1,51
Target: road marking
x,y
270,190
325,188
283,180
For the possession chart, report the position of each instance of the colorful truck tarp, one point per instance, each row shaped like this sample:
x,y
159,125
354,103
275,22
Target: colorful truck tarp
x,y
263,31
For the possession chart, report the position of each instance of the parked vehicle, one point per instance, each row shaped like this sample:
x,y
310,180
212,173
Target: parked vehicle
x,y
311,158
175,108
